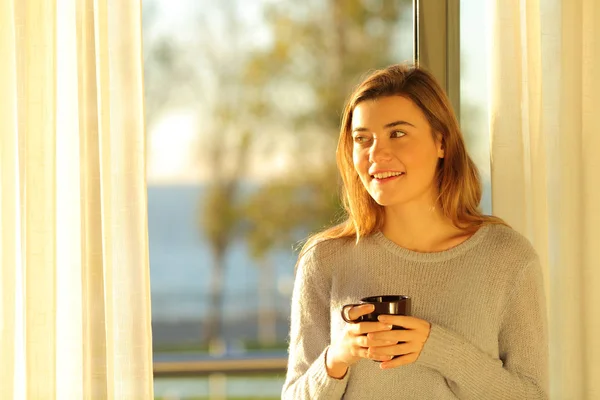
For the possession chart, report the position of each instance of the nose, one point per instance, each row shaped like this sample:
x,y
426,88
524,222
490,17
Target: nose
x,y
379,152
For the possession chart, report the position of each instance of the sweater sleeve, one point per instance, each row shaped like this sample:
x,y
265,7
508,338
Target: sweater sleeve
x,y
307,376
521,372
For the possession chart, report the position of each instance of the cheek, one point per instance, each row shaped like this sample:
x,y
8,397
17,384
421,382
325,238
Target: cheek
x,y
420,158
359,161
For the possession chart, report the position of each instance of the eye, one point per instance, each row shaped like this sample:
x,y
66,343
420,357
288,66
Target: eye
x,y
361,139
397,134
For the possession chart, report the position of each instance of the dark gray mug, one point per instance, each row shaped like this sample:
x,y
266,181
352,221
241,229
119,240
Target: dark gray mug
x,y
386,304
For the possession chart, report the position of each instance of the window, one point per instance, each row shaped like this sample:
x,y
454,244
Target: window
x,y
474,102
243,101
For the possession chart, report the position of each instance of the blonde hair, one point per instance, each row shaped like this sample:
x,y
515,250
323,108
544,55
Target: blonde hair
x,y
457,176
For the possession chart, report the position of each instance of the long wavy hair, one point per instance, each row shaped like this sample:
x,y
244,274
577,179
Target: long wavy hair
x,y
458,181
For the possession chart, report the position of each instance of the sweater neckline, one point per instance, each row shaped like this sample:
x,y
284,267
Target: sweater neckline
x,y
442,255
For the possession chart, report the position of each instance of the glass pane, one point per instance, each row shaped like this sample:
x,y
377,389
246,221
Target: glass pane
x,y
243,101
474,102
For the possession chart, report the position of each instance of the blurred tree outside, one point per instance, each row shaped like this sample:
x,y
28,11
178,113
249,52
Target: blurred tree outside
x,y
234,112
322,49
252,98
173,75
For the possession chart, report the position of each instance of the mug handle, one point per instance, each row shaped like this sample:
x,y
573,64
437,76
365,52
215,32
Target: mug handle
x,y
345,308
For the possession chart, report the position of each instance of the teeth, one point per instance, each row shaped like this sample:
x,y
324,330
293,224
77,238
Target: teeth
x,y
387,175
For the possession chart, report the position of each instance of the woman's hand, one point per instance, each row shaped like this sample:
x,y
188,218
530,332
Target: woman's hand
x,y
414,337
354,344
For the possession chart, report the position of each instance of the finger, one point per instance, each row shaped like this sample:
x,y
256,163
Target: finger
x,y
404,321
399,360
363,352
358,351
364,341
381,358
362,328
396,336
355,312
394,350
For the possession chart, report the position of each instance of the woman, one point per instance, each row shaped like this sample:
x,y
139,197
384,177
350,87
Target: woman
x,y
411,192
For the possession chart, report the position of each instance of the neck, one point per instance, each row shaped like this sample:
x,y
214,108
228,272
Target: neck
x,y
418,226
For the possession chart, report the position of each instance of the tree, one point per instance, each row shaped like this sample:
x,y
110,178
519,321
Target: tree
x,y
206,71
228,152
297,82
320,50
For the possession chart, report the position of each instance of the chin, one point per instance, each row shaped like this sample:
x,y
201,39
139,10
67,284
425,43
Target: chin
x,y
386,201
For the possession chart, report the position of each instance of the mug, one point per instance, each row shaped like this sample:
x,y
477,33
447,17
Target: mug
x,y
386,304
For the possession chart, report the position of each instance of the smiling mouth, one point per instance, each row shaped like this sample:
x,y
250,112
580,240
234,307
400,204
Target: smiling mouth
x,y
387,176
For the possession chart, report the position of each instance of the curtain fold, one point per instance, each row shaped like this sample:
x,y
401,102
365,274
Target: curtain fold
x,y
546,168
74,280
10,235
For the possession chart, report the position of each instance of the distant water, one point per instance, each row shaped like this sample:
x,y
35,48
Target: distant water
x,y
180,262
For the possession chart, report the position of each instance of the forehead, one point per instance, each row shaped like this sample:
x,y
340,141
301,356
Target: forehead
x,y
379,112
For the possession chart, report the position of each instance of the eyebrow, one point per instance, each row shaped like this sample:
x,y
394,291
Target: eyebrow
x,y
390,125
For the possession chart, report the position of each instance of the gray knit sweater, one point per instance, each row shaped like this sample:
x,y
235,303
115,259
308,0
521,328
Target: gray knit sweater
x,y
484,299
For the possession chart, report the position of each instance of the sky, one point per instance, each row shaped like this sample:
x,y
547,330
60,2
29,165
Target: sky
x,y
173,139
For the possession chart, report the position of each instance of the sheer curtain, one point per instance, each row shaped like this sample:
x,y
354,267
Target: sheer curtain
x,y
546,167
74,277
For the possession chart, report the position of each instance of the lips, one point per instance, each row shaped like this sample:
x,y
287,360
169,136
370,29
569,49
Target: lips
x,y
388,178
386,174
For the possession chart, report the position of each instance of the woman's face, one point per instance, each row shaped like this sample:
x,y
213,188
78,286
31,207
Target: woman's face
x,y
394,151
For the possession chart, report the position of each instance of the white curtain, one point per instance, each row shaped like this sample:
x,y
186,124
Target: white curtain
x,y
545,122
74,277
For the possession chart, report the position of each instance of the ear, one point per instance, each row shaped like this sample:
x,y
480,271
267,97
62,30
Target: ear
x,y
439,144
